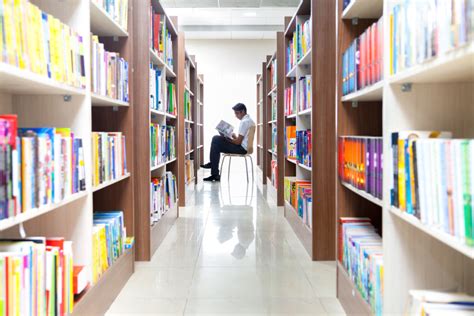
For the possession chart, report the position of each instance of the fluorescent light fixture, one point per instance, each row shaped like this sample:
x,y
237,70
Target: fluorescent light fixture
x,y
250,14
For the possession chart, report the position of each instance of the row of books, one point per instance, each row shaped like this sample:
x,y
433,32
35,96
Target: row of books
x,y
40,166
41,43
162,143
109,72
274,173
189,170
299,45
36,276
360,163
291,97
188,139
433,180
162,93
163,195
109,157
362,62
421,30
274,138
273,73
108,241
427,302
361,254
298,193
304,147
188,108
117,10
187,73
304,93
274,107
160,37
290,142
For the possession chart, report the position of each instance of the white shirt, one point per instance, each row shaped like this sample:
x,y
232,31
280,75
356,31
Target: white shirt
x,y
245,123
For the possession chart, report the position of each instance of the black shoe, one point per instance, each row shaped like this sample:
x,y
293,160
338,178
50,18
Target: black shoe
x,y
206,166
213,178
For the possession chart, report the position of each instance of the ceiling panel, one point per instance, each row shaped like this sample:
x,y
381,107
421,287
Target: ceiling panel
x,y
239,3
229,3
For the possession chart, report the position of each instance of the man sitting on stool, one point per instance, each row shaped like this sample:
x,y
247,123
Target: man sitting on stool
x,y
236,145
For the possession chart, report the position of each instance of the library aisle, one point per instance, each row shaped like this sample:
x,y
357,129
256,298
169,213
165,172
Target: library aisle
x,y
230,251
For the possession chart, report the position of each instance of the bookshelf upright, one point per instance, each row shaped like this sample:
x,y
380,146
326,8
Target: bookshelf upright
x,y
409,95
260,121
199,137
309,117
160,111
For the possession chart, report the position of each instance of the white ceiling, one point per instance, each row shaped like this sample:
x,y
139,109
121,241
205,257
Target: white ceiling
x,y
230,19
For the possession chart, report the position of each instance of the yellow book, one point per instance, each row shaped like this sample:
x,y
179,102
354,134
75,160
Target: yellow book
x,y
32,37
41,53
103,249
10,38
21,26
401,175
1,41
96,158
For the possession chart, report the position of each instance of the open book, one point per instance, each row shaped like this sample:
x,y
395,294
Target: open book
x,y
225,129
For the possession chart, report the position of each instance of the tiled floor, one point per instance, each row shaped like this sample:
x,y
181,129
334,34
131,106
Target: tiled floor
x,y
232,252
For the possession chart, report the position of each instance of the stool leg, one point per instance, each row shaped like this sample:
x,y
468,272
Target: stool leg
x,y
222,163
251,161
246,169
228,172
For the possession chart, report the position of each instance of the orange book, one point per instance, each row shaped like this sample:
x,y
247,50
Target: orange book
x,y
80,281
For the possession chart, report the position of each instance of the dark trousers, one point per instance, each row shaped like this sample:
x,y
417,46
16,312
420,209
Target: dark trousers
x,y
219,145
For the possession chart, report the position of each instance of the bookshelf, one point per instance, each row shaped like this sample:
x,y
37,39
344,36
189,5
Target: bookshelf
x,y
415,255
273,93
260,120
151,232
312,72
187,118
199,135
41,101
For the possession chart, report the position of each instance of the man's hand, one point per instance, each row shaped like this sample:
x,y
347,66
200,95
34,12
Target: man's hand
x,y
234,137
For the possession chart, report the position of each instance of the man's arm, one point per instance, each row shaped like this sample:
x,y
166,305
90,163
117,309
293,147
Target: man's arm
x,y
237,140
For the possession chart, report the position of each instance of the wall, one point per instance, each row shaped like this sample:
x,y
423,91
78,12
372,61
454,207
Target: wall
x,y
229,68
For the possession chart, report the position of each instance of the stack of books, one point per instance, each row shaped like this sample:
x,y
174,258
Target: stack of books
x,y
299,45
421,30
171,101
290,99
160,37
304,93
362,62
117,10
36,276
298,193
189,170
158,89
157,144
290,142
41,44
360,163
109,157
163,195
188,114
362,256
433,180
108,241
304,147
188,139
109,72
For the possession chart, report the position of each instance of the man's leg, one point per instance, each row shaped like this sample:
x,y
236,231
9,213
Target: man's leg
x,y
217,146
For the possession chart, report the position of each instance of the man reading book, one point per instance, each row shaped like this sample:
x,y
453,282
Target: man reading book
x,y
228,142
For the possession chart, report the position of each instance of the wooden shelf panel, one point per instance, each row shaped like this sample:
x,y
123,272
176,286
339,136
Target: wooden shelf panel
x,y
102,24
304,167
443,237
36,212
98,298
160,229
100,100
109,183
372,93
363,194
156,60
189,152
159,113
273,90
305,112
188,121
363,9
17,81
349,296
454,66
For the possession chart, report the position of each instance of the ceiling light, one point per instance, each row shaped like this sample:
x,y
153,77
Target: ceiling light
x,y
250,14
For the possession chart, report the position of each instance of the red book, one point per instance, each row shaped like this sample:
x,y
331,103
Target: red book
x,y
59,243
80,281
156,31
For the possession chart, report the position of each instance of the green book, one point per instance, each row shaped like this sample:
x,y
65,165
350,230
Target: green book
x,y
467,192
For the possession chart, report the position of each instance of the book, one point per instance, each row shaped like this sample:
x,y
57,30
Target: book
x,y
299,44
161,40
108,157
426,302
225,129
163,196
290,99
290,142
304,147
116,9
80,279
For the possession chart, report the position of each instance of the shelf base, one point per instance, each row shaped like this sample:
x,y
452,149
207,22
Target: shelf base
x,y
349,296
97,299
302,231
161,229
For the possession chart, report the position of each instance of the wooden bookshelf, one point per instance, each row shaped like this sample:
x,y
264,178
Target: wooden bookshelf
x,y
359,114
199,120
416,256
260,120
41,101
274,95
319,62
187,84
148,235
